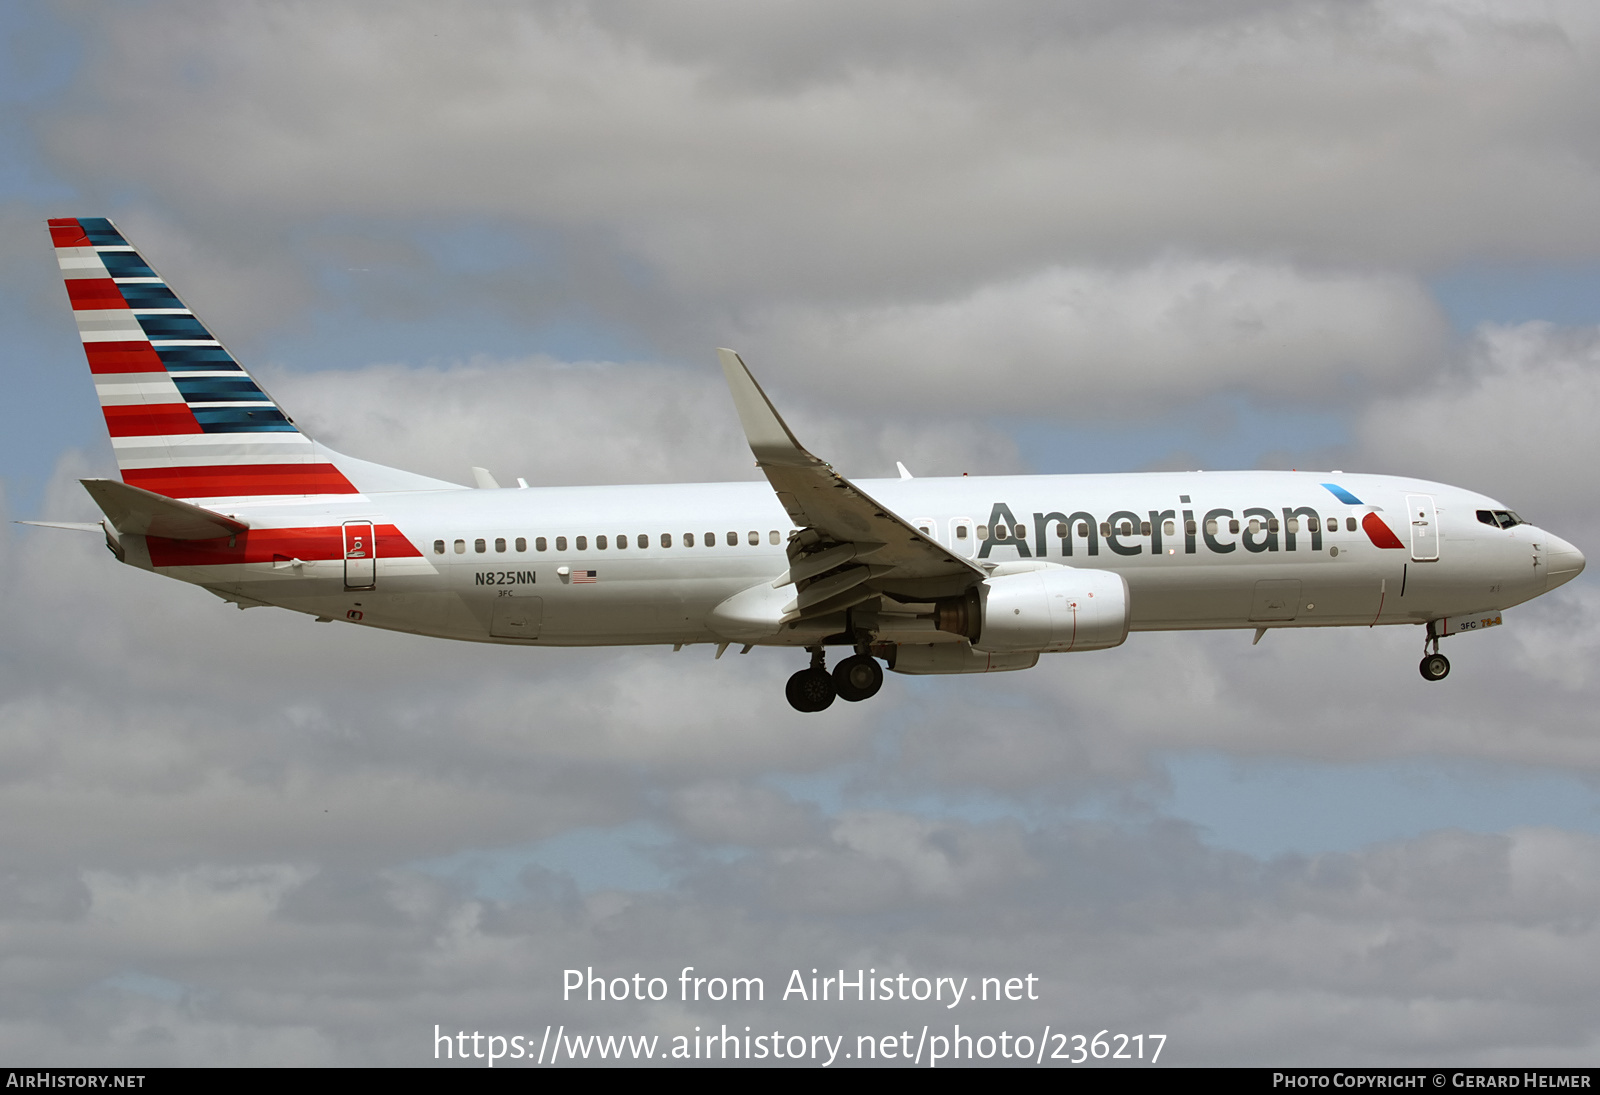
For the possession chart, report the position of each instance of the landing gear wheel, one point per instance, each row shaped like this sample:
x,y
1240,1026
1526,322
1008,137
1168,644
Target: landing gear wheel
x,y
858,678
810,690
1435,667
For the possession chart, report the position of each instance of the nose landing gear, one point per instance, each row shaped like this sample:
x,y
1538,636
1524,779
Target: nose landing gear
x,y
1435,666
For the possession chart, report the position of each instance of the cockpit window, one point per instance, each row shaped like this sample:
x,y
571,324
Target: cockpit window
x,y
1499,518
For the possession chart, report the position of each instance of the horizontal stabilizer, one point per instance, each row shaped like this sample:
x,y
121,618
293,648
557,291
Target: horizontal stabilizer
x,y
139,512
75,526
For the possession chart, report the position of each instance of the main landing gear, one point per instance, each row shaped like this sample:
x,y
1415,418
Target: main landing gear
x,y
1435,666
814,689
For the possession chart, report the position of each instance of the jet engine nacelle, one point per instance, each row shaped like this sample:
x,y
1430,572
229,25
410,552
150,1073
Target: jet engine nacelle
x,y
1052,608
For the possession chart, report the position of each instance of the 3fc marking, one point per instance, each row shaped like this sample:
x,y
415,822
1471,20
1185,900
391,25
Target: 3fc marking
x,y
504,577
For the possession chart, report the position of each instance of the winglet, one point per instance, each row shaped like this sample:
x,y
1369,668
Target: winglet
x,y
144,513
770,439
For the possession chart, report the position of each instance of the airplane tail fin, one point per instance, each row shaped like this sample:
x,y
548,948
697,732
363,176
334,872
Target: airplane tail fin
x,y
186,420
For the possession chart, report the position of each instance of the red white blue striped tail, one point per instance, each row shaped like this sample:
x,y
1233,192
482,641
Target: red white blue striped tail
x,y
186,420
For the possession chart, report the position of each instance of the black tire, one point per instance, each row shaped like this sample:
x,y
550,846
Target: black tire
x,y
810,690
1435,667
858,678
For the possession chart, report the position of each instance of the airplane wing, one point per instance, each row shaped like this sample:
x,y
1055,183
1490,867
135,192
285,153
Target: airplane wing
x,y
851,547
140,512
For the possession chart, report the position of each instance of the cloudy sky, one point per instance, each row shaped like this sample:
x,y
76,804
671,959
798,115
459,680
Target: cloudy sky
x,y
1008,237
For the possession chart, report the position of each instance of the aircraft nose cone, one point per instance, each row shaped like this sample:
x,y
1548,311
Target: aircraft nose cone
x,y
1563,562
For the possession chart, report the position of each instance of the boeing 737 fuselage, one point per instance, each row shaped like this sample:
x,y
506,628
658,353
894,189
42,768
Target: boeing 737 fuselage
x,y
974,574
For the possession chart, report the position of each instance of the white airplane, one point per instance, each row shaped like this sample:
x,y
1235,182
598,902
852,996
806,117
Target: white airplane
x,y
960,575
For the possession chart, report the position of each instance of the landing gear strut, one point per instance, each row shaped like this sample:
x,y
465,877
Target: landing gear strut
x,y
812,689
1435,666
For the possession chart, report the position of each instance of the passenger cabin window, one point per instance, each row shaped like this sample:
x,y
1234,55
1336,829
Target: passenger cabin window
x,y
1233,526
1126,529
461,547
983,532
561,543
1061,530
522,543
1311,525
711,539
479,546
438,547
773,538
1349,524
733,539
599,543
1255,525
1002,532
1169,529
1105,528
622,541
755,538
581,543
961,532
643,541
1189,527
542,544
1144,528
1211,527
1272,524
500,543
688,539
666,539
1293,525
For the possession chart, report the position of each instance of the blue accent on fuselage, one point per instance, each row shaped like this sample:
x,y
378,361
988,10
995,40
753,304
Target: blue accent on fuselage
x,y
1343,495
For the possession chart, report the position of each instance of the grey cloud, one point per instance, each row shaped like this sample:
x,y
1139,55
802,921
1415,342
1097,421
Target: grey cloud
x,y
1413,134
234,823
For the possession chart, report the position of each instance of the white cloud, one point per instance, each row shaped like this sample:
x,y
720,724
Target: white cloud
x,y
1515,419
1076,340
556,424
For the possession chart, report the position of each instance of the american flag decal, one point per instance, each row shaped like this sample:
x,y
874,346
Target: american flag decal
x,y
584,577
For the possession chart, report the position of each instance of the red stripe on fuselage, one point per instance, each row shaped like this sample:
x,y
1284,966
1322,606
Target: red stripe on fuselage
x,y
1379,533
150,419
264,545
123,357
91,293
67,232
232,480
